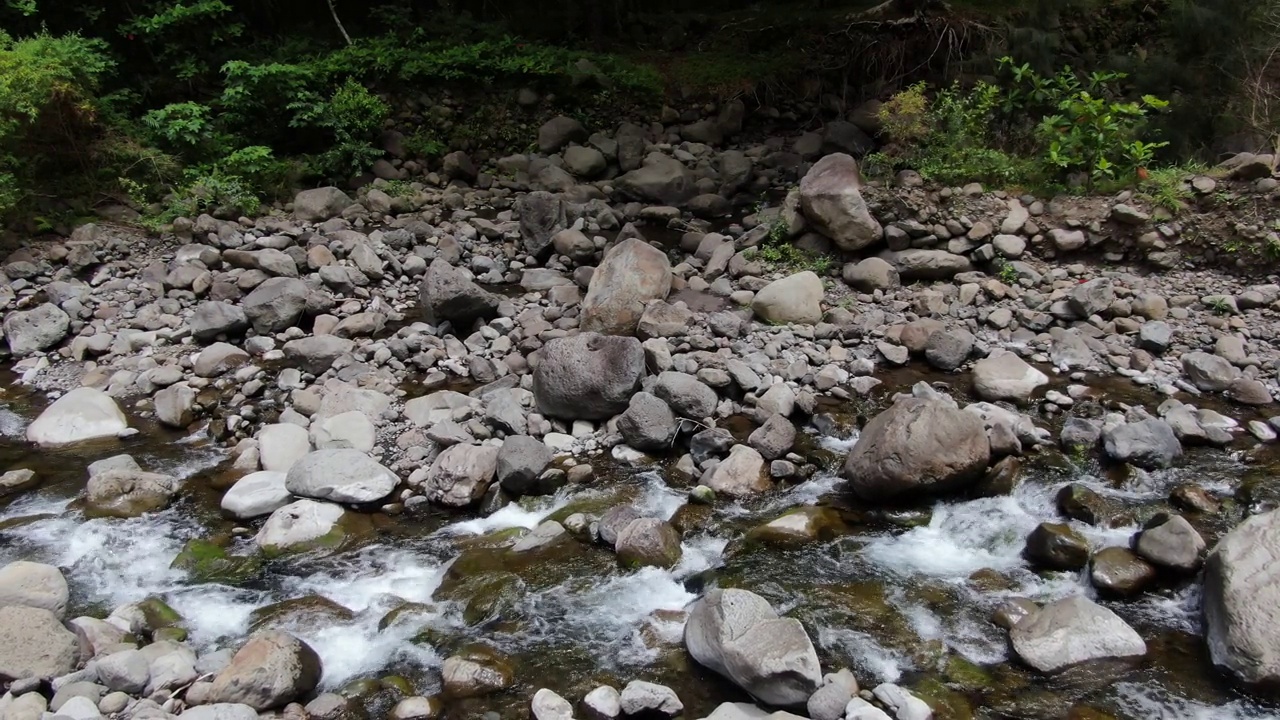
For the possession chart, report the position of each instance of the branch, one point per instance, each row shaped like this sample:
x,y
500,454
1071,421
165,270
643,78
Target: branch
x,y
337,21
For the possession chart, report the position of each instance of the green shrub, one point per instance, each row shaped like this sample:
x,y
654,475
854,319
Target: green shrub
x,y
353,116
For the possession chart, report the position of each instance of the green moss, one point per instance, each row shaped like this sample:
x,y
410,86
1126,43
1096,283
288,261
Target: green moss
x,y
207,562
310,611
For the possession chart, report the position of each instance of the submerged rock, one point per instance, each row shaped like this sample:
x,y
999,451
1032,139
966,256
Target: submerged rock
x,y
1073,631
737,634
82,414
646,542
477,672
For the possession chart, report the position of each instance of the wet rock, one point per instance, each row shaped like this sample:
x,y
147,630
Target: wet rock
x,y
340,475
1057,546
648,423
320,204
1209,373
271,670
15,482
917,445
1073,631
632,274
520,463
546,705
800,525
1149,444
871,274
33,644
1242,601
448,295
1172,543
1081,503
82,414
300,526
902,703
646,699
36,585
1011,612
1193,498
1005,376
794,299
1078,432
128,493
615,521
687,396
545,535
660,179
417,708
774,438
587,376
648,542
476,673
603,703
1118,572
860,709
737,634
31,331
276,305
461,475
742,474
831,199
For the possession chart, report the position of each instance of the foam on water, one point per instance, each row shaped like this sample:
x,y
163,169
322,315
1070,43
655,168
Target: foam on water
x,y
866,655
1153,703
11,424
657,499
513,515
839,446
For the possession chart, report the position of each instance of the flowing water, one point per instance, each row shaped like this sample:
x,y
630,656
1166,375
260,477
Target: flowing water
x,y
895,597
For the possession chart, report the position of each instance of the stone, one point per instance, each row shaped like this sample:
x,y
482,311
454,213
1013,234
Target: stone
x,y
542,215
271,670
1155,336
648,423
1003,375
128,493
1209,373
860,709
917,446
871,274
661,319
546,705
127,671
574,245
949,348
922,264
478,674
646,699
462,474
774,438
648,542
34,644
1072,631
1242,601
1057,546
584,162
82,414
35,330
36,585
300,526
415,708
342,475
281,445
1067,240
219,359
316,353
558,132
737,634
1118,572
794,299
448,295
349,430
587,376
742,474
320,204
1010,246
1149,444
220,711
687,396
256,494
832,202
660,179
1172,544
632,274
603,703
175,405
276,305
830,700
902,703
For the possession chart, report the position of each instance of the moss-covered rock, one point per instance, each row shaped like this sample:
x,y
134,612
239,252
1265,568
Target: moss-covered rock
x,y
800,525
311,611
207,562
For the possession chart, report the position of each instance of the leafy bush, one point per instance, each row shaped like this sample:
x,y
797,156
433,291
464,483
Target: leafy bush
x,y
354,117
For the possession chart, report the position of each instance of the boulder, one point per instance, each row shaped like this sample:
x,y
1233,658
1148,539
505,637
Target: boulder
x,y
921,264
34,644
632,274
1118,572
36,585
270,671
1242,601
542,217
688,396
1091,298
479,672
1209,373
256,495
462,474
175,406
341,475
281,445
558,132
587,376
648,542
794,299
127,671
1171,542
1005,376
276,305
650,700
573,244
448,295
774,438
661,179
742,474
871,274
949,348
219,359
1149,444
320,204
917,446
301,526
831,199
648,423
737,634
546,705
661,319
31,331
520,463
1072,631
584,162
316,353
82,414
126,493
1057,546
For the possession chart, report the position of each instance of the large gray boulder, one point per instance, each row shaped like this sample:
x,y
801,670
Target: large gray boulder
x,y
661,179
520,463
462,474
271,670
917,446
316,353
300,526
632,274
34,644
276,305
558,132
1150,444
256,495
1005,376
587,376
542,216
448,295
1072,631
82,414
320,204
31,331
688,396
648,542
1209,373
341,475
648,423
921,264
793,299
126,493
737,634
831,199
35,585
743,474
1242,601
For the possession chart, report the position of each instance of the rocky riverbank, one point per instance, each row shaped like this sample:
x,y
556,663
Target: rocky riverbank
x,y
933,459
